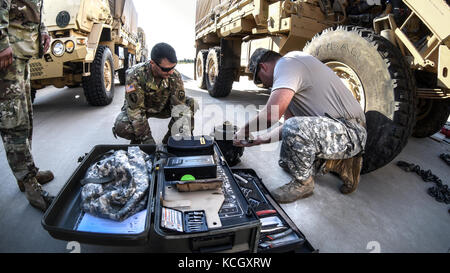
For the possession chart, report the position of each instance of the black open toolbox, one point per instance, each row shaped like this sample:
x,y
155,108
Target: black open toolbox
x,y
240,227
261,200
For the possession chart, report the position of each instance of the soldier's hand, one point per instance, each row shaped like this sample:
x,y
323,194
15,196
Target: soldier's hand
x,y
45,41
6,58
243,139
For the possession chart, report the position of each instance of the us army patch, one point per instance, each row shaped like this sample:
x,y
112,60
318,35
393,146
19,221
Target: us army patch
x,y
181,95
133,98
130,88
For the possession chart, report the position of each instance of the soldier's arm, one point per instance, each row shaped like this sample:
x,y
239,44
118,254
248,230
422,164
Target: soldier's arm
x,y
276,107
44,32
4,24
176,86
135,101
43,28
274,135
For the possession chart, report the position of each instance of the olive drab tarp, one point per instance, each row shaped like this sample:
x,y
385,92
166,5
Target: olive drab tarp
x,y
206,10
126,12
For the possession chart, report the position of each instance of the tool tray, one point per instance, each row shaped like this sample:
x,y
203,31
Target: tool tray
x,y
261,200
239,225
63,216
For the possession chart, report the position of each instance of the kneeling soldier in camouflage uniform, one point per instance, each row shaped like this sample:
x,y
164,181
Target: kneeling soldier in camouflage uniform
x,y
325,125
155,89
20,29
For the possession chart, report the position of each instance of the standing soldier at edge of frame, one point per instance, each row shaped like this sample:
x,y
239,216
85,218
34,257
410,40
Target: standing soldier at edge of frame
x,y
22,37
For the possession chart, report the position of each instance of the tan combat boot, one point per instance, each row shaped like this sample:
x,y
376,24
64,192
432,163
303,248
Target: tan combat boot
x,y
294,190
348,170
42,177
37,197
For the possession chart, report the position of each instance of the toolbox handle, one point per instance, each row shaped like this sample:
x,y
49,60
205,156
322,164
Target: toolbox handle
x,y
206,243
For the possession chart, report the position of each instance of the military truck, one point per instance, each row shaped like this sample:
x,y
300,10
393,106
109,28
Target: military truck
x,y
393,56
91,40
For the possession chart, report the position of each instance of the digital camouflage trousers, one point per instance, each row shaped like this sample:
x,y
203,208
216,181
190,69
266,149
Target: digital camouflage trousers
x,y
16,118
307,142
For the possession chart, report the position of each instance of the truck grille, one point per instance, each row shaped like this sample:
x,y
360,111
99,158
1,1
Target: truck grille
x,y
36,69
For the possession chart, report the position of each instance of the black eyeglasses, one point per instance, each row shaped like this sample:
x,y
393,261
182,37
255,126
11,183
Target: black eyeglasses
x,y
165,69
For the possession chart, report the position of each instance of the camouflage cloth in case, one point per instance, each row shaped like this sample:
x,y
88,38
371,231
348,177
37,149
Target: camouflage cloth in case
x,y
309,141
20,26
116,187
146,97
16,118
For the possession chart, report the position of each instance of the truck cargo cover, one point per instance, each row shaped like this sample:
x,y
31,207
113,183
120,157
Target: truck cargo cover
x,y
206,8
126,12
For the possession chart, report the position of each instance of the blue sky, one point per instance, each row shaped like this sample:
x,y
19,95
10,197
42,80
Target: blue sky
x,y
170,21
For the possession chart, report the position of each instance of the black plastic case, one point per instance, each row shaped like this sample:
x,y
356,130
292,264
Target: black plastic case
x,y
240,232
62,217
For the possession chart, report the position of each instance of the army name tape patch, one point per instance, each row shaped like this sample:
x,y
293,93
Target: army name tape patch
x,y
130,88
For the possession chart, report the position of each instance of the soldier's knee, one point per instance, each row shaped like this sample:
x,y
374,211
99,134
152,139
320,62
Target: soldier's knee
x,y
290,127
122,127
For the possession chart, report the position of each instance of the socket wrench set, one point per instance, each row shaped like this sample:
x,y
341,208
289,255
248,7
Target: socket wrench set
x,y
187,222
278,232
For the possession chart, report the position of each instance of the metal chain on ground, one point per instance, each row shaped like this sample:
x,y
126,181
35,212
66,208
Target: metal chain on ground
x,y
440,192
446,158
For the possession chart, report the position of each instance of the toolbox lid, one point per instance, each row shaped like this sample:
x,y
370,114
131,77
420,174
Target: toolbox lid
x,y
63,217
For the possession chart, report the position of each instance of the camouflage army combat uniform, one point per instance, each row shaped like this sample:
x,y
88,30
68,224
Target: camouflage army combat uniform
x,y
125,190
20,25
315,145
145,97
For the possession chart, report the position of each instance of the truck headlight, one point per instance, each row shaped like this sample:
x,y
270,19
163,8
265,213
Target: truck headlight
x,y
70,46
58,48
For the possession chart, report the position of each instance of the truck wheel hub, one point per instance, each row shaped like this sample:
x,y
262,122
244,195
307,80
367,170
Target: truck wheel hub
x,y
107,76
350,79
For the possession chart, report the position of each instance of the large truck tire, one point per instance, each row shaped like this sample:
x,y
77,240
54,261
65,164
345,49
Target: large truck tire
x,y
380,78
219,80
432,115
200,68
99,86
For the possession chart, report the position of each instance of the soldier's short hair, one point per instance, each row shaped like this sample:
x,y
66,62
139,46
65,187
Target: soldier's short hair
x,y
163,51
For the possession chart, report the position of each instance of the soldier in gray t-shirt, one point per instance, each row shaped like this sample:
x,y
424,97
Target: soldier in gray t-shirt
x,y
318,91
324,128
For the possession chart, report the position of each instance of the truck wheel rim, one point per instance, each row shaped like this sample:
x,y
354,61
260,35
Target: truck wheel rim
x,y
350,79
199,68
107,77
212,73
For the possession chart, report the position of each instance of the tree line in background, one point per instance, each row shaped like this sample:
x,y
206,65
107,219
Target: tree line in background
x,y
186,61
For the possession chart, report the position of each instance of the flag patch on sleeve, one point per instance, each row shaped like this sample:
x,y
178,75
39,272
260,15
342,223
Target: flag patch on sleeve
x,y
130,88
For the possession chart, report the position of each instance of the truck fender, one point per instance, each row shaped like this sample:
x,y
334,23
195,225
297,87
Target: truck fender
x,y
99,32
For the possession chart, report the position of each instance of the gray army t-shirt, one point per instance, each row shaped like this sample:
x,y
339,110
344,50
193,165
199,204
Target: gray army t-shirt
x,y
318,90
